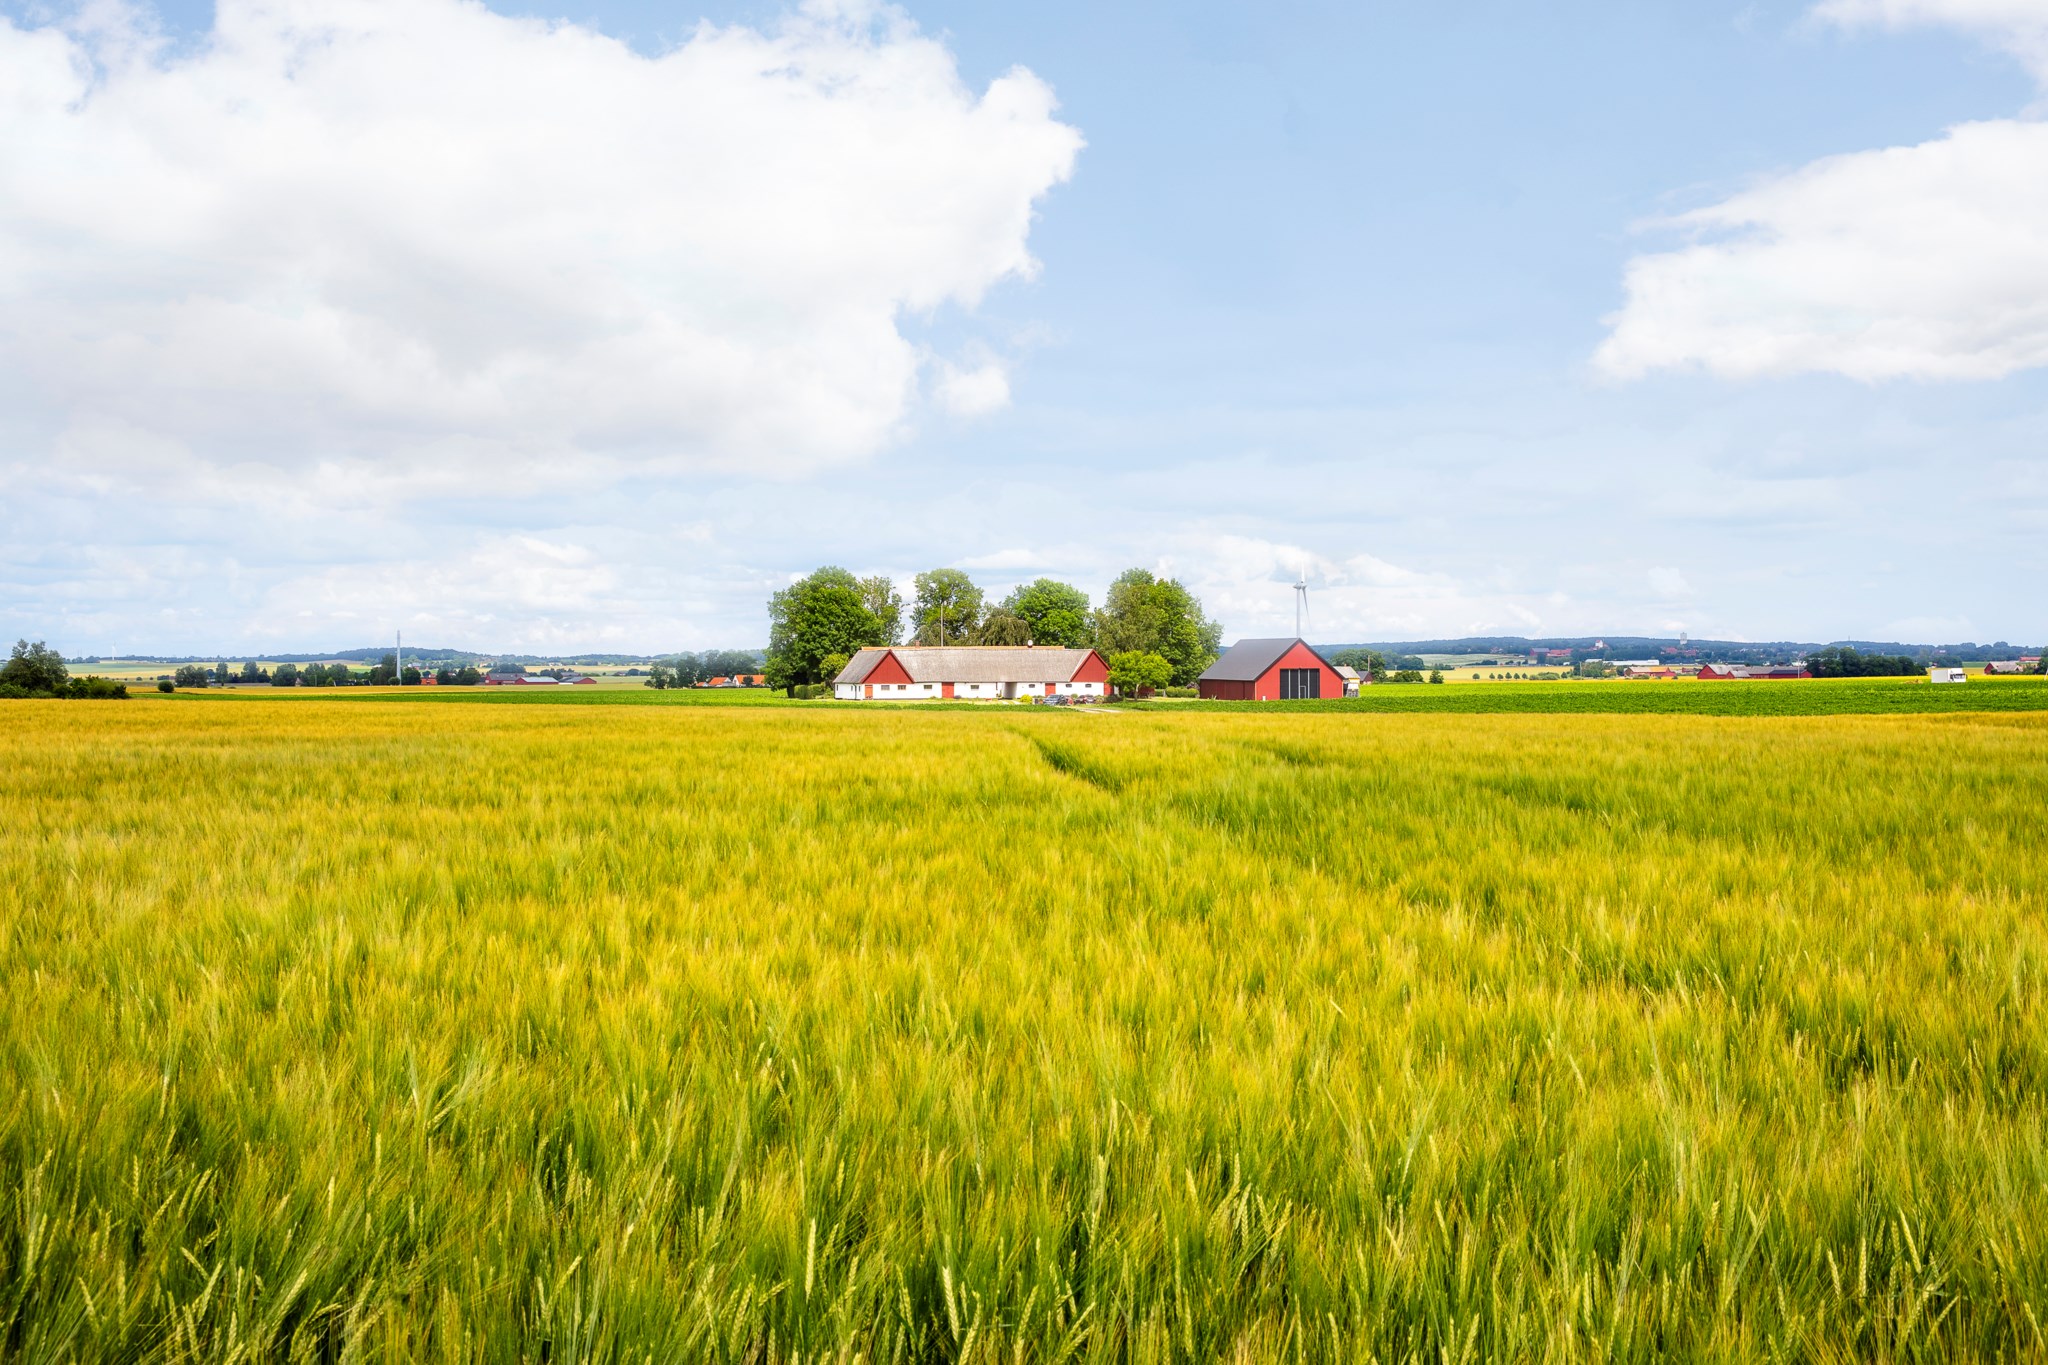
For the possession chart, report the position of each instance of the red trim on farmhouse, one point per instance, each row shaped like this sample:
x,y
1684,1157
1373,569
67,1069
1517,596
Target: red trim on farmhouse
x,y
888,669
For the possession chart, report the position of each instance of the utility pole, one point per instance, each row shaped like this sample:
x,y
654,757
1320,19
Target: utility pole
x,y
400,679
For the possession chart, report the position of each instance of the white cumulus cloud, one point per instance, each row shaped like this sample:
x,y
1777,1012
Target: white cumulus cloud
x,y
1924,262
345,230
2020,26
974,392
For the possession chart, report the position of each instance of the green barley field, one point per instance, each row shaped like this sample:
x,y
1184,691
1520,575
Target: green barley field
x,y
418,1031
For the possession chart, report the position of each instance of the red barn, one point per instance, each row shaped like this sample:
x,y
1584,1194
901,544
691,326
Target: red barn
x,y
1270,670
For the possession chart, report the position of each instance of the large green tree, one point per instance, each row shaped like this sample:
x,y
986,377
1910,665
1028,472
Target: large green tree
x,y
1146,614
1004,627
948,608
813,619
34,668
1056,611
879,595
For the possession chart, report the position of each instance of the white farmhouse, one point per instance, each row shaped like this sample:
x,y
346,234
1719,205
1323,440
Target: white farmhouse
x,y
971,673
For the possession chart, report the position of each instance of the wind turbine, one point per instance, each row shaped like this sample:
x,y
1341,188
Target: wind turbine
x,y
1300,603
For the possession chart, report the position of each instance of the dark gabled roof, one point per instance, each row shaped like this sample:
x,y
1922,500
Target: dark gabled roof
x,y
1248,660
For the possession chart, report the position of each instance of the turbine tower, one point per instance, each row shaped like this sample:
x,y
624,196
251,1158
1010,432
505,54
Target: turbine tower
x,y
1300,603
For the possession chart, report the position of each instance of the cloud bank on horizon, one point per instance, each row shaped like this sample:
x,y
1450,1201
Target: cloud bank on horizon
x,y
335,316
1925,262
422,242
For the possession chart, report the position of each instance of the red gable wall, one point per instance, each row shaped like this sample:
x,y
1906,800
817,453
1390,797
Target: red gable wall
x,y
888,669
1093,669
1301,656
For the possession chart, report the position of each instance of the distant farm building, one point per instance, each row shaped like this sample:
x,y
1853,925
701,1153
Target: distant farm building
x,y
971,673
496,678
1351,679
1270,670
1947,675
2009,666
1739,672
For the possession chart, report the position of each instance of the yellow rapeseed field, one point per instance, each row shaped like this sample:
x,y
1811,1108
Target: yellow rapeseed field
x,y
393,1030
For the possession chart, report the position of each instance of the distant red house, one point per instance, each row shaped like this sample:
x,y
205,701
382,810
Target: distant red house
x,y
1270,670
1741,672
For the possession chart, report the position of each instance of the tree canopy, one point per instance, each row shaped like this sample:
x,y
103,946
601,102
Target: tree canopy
x,y
948,609
34,668
1149,615
1004,627
1056,612
878,594
811,620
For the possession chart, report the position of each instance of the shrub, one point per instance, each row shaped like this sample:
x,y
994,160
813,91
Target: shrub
x,y
166,685
1137,673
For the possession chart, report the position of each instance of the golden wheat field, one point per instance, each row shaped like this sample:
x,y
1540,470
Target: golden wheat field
x,y
389,1031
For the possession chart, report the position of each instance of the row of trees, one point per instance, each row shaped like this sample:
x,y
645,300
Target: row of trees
x,y
1379,667
687,669
385,673
818,622
36,670
1844,661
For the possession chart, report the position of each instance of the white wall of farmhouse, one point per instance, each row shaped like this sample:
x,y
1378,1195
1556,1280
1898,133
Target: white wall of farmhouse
x,y
974,691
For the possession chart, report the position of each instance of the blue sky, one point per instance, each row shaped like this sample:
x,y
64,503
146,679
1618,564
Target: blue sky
x,y
1534,320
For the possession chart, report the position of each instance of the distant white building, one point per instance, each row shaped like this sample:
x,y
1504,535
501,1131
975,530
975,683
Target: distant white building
x,y
1947,675
971,673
